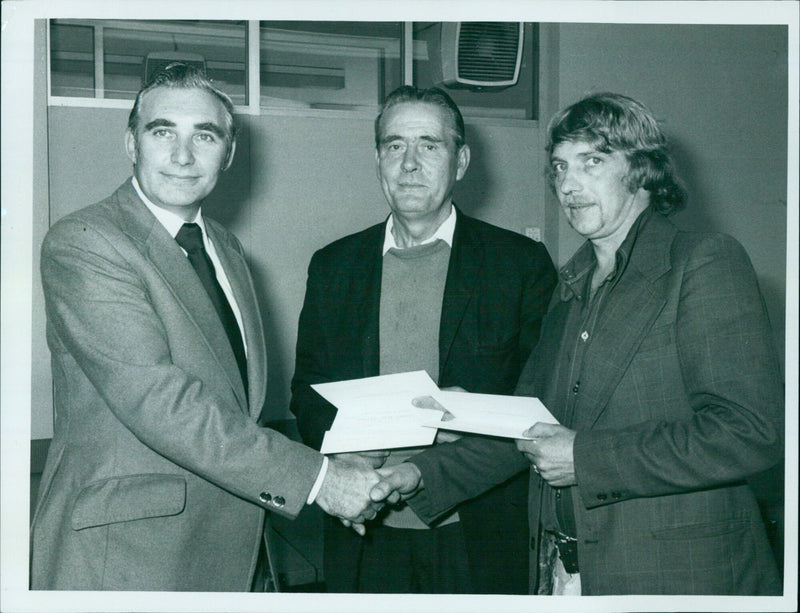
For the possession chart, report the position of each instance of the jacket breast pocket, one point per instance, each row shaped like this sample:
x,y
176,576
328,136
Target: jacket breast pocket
x,y
128,498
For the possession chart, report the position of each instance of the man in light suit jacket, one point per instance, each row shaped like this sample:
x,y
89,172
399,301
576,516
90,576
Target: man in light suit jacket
x,y
432,289
158,476
656,357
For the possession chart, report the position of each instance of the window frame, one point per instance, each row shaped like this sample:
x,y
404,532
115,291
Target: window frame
x,y
408,48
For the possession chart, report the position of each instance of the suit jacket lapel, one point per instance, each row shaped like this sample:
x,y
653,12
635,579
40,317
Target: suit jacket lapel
x,y
244,294
625,319
169,261
366,290
466,260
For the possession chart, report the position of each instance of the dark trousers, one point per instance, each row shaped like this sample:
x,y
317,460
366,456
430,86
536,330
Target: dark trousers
x,y
396,560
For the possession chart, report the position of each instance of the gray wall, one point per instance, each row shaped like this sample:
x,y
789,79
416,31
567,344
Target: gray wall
x,y
300,182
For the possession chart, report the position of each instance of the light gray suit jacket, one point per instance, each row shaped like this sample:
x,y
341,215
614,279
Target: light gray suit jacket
x,y
158,475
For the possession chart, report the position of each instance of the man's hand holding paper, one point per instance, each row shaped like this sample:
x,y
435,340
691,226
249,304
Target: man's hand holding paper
x,y
377,414
548,448
488,414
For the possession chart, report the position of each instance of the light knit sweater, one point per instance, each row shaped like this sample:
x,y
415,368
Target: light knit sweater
x,y
412,287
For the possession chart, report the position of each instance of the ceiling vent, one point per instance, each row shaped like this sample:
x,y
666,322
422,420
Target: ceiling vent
x,y
157,61
481,54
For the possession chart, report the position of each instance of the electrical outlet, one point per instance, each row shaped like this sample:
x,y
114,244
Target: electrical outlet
x,y
534,233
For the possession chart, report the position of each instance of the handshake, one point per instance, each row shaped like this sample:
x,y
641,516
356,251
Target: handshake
x,y
355,488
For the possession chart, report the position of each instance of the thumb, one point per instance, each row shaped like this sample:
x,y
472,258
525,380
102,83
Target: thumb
x,y
382,490
427,402
390,488
359,528
542,430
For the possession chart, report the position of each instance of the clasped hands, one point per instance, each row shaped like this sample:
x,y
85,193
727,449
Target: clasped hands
x,y
356,486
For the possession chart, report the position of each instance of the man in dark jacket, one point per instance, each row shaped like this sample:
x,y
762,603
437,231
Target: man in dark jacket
x,y
432,289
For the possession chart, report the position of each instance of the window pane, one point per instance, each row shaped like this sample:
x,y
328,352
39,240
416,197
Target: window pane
x,y
71,59
219,46
474,62
334,65
134,49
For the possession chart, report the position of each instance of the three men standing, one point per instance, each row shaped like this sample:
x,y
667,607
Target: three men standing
x,y
655,356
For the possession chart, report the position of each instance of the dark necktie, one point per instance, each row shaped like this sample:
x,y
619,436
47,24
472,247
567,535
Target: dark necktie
x,y
190,237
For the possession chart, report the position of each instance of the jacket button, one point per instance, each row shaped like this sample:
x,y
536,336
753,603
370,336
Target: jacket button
x,y
616,495
601,496
279,501
265,497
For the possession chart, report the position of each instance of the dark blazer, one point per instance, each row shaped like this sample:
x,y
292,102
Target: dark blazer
x,y
497,288
680,400
158,473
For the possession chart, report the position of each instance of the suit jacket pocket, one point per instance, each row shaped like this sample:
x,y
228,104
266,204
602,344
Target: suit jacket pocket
x,y
128,498
704,530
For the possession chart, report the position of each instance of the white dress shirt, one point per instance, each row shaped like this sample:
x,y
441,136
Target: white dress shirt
x,y
444,232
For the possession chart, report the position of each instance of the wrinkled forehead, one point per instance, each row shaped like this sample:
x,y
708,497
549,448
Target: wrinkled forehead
x,y
417,116
184,104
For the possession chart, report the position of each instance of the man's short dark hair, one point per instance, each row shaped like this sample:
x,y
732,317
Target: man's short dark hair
x,y
183,76
431,95
613,122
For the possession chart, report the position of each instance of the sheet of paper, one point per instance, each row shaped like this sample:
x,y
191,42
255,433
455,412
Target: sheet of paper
x,y
490,414
346,440
342,393
376,412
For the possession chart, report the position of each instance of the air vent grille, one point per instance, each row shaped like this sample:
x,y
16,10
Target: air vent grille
x,y
481,54
488,51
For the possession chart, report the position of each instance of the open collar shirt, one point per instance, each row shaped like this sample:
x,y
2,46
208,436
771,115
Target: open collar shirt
x,y
584,308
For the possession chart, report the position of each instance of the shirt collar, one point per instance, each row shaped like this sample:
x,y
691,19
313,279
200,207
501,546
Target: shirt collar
x,y
171,222
444,232
574,274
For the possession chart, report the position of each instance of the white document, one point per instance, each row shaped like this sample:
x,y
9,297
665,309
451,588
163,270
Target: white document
x,y
376,412
490,414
